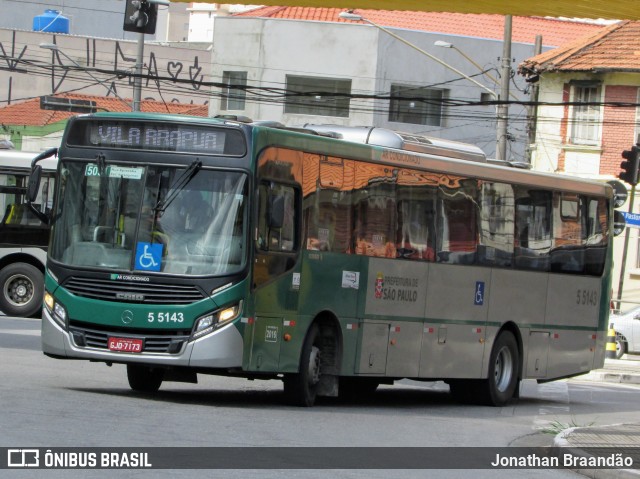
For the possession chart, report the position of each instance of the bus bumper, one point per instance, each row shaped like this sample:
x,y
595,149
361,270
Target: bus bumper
x,y
220,349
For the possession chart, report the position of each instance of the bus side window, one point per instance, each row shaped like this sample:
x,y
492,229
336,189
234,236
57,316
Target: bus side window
x,y
458,221
596,236
415,226
277,229
567,254
496,224
532,229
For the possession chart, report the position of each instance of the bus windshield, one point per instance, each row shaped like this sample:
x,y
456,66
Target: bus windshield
x,y
177,220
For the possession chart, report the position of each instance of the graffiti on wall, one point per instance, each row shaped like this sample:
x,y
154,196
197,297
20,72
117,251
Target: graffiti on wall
x,y
113,69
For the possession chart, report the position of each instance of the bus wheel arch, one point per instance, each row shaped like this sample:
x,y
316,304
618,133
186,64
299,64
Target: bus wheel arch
x,y
319,365
22,288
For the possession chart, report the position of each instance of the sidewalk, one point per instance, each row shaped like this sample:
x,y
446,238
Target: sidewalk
x,y
617,436
616,371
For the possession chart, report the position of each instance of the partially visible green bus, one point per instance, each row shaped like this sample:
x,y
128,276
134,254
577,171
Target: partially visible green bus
x,y
332,258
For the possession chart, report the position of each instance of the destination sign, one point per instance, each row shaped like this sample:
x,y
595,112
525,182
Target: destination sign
x,y
183,138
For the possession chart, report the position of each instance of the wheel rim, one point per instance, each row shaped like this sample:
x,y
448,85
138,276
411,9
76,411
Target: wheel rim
x,y
18,290
314,366
503,370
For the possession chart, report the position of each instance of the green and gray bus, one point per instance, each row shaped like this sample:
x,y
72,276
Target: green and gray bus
x,y
335,259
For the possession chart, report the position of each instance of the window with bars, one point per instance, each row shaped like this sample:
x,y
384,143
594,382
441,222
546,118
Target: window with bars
x,y
234,93
417,105
317,96
586,115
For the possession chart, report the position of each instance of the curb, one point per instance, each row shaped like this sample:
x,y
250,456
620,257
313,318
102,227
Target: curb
x,y
561,441
610,377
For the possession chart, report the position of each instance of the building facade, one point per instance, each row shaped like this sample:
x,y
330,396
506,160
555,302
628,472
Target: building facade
x,y
587,116
305,65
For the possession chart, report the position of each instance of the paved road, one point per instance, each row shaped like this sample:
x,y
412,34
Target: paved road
x,y
53,403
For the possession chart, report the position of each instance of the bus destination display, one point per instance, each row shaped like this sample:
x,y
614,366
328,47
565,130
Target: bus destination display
x,y
182,138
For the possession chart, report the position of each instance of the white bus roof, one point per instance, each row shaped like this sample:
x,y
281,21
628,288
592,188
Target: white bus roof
x,y
22,159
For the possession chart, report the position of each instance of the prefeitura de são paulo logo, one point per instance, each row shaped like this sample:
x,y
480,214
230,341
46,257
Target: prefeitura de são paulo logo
x,y
379,285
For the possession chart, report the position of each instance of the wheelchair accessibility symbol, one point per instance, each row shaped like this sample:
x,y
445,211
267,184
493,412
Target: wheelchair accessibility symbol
x,y
479,294
148,256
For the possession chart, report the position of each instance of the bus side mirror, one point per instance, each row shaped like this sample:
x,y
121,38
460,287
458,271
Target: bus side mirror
x,y
33,186
276,211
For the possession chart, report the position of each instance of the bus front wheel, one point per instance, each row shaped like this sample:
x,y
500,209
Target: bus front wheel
x,y
22,290
144,379
499,387
300,388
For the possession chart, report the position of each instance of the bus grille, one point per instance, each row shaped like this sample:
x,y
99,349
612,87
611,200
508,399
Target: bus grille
x,y
133,292
90,338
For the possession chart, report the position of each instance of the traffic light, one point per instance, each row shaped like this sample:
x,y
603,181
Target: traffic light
x,y
140,16
629,173
620,195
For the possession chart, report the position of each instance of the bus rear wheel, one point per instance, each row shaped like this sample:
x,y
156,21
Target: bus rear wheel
x,y
499,387
22,290
144,379
300,388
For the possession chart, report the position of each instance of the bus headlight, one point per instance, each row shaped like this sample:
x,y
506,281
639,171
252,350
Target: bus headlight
x,y
57,310
208,323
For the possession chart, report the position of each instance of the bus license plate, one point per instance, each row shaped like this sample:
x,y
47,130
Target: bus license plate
x,y
127,345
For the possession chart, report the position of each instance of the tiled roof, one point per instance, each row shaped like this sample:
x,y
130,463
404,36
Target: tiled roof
x,y
524,29
616,48
28,113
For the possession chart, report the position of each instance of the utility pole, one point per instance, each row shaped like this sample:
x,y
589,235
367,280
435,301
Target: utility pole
x,y
140,16
532,114
137,81
503,109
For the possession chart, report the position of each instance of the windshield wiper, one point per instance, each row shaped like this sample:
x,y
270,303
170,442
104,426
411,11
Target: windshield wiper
x,y
178,185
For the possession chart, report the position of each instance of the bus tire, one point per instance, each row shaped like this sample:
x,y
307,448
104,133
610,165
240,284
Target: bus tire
x,y
300,388
22,290
499,387
144,379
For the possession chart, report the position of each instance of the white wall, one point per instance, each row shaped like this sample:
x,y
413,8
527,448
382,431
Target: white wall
x,y
269,49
